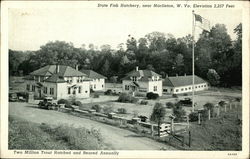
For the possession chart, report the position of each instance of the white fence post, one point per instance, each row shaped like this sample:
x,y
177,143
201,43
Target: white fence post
x,y
209,114
199,118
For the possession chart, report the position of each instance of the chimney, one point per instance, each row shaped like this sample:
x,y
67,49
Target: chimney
x,y
176,74
166,75
57,68
185,74
76,67
137,68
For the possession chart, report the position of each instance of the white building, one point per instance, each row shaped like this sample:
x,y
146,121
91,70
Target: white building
x,y
183,84
97,82
142,81
58,81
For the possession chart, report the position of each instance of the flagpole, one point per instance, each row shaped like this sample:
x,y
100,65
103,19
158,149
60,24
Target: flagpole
x,y
193,34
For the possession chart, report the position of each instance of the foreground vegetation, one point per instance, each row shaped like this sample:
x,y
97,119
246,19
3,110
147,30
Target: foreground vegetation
x,y
27,135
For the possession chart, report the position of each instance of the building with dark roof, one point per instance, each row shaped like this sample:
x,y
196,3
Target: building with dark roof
x,y
58,81
97,82
183,84
142,81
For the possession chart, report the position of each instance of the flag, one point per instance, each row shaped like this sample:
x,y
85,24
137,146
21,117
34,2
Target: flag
x,y
202,22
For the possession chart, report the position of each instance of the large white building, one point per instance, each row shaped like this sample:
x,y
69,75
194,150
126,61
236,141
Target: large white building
x,y
142,81
58,81
97,82
183,84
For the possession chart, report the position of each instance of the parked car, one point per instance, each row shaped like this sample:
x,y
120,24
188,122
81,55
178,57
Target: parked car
x,y
13,97
48,103
186,102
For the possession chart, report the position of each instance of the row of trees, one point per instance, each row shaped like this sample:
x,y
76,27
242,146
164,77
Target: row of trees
x,y
160,52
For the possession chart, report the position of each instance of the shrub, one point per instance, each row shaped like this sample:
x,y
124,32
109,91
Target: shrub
x,y
122,110
175,96
193,116
107,109
64,101
144,102
108,92
170,105
91,90
222,103
96,95
97,108
178,112
151,95
127,98
140,94
209,106
185,94
77,103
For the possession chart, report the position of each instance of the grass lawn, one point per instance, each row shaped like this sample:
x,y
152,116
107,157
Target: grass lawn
x,y
222,133
32,136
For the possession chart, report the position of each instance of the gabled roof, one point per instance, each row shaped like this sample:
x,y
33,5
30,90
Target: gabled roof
x,y
64,71
92,74
55,78
178,81
145,75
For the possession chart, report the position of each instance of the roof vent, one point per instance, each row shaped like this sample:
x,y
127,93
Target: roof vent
x,y
76,67
176,74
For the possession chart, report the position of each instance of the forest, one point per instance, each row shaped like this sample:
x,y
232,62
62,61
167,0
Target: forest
x,y
218,58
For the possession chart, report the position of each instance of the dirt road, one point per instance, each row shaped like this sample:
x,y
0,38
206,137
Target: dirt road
x,y
120,139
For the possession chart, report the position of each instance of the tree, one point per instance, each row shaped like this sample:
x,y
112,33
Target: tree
x,y
213,77
158,115
178,112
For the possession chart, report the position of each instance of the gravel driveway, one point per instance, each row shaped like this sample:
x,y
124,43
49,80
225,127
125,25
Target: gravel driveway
x,y
119,139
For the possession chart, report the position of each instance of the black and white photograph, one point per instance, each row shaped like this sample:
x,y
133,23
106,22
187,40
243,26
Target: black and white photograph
x,y
98,78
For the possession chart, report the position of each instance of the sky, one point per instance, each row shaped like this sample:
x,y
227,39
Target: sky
x,y
31,28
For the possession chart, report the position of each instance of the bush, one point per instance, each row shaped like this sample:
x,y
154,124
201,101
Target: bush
x,y
122,110
96,95
175,96
108,92
144,102
107,109
222,103
140,94
151,95
185,94
91,90
97,108
127,98
178,112
77,103
209,106
193,116
64,101
170,105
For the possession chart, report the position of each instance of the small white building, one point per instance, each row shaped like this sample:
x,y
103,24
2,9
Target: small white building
x,y
183,84
142,81
58,81
97,82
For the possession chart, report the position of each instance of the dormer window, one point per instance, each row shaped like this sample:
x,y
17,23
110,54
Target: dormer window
x,y
134,78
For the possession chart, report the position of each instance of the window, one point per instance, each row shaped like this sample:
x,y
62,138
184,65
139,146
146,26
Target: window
x,y
171,89
45,90
189,88
186,89
86,91
94,86
33,88
182,89
102,86
80,89
199,86
195,86
28,87
126,87
155,88
177,90
51,91
205,86
74,91
69,90
165,90
134,78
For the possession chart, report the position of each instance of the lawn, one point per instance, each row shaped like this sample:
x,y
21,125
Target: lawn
x,y
32,136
